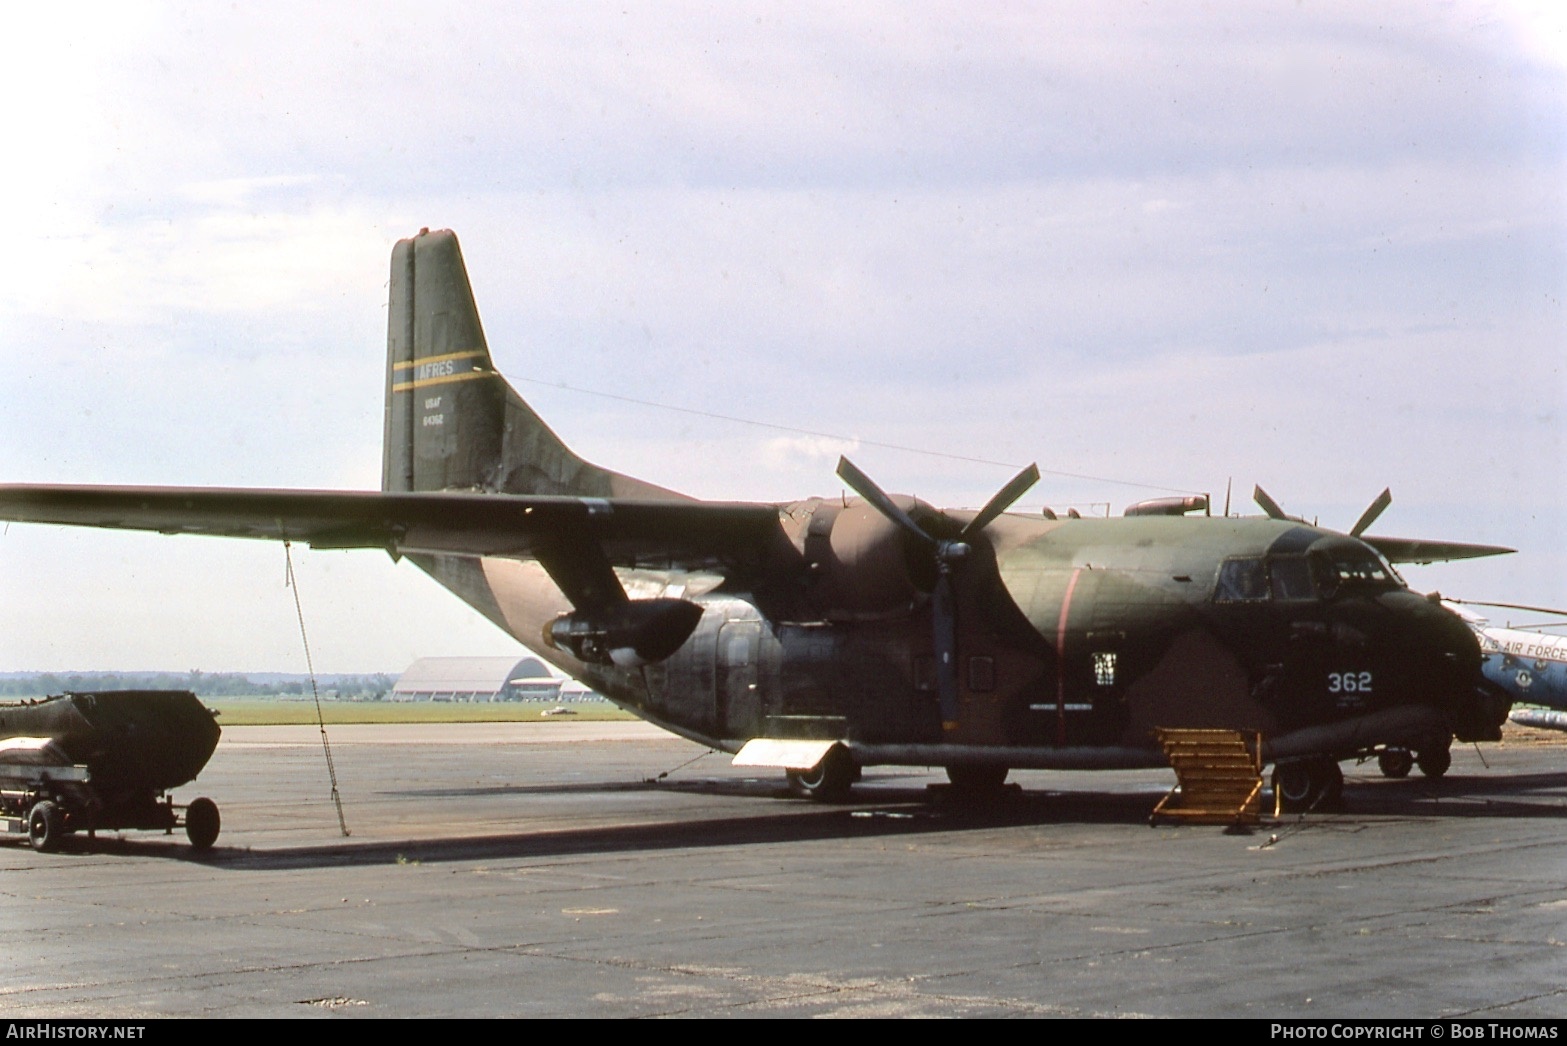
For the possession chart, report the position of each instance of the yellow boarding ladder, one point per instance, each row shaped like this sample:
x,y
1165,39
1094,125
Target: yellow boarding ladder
x,y
1218,777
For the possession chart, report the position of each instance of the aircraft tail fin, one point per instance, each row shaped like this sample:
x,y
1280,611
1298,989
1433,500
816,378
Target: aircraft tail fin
x,y
452,421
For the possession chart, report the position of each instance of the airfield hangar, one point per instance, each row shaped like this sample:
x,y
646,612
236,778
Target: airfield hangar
x,y
477,679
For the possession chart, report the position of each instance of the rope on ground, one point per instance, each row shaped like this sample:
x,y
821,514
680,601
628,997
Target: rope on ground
x,y
292,582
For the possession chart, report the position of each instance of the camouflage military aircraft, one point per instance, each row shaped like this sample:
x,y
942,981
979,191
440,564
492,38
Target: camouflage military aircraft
x,y
825,635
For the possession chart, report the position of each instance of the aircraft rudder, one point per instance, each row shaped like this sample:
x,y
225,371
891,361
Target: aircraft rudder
x,y
445,404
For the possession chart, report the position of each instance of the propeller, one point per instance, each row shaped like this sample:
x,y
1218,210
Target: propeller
x,y
947,554
1267,503
1373,510
1376,508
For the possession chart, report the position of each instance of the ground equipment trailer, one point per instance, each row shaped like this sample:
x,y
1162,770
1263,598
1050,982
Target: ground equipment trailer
x,y
85,762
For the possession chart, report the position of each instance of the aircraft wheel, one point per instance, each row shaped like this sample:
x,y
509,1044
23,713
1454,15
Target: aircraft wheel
x,y
1433,762
202,823
1395,762
829,780
45,826
1307,784
977,781
1332,786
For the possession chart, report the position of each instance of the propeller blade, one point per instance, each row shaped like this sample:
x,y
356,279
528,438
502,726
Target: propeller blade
x,y
1268,505
947,554
866,488
944,642
1001,501
1375,509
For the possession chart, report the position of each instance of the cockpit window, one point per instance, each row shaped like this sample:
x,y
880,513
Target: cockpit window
x,y
1241,581
1290,578
1354,569
1321,575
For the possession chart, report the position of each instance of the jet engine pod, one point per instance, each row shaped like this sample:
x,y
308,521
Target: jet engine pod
x,y
626,635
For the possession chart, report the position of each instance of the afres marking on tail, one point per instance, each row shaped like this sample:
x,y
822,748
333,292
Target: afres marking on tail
x,y
441,370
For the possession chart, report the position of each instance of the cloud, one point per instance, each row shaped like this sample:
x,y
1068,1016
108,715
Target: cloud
x,y
808,452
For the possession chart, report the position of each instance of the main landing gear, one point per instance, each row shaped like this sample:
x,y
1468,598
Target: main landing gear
x,y
828,781
977,782
1301,785
1317,783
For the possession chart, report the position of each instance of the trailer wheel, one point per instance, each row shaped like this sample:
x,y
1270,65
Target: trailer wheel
x,y
202,823
45,826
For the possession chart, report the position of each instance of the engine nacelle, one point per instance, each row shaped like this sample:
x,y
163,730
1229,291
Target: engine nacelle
x,y
861,565
628,635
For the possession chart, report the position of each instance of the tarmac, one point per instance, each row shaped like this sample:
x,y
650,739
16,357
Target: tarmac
x,y
611,870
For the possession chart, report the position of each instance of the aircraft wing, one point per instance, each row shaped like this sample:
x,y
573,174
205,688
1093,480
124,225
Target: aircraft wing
x,y
691,535
1408,550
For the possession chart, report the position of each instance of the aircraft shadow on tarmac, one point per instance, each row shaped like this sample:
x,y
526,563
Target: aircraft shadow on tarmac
x,y
879,810
1478,795
802,822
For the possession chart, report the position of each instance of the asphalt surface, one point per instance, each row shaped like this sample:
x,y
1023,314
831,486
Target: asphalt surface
x,y
579,870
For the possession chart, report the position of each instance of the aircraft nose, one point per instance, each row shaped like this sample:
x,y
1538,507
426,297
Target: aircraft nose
x,y
1474,708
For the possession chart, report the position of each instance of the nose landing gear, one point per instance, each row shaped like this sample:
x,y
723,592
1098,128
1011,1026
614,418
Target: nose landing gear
x,y
1433,761
1395,762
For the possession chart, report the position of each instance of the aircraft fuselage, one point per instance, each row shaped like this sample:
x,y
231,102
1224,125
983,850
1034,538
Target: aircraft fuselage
x,y
1076,638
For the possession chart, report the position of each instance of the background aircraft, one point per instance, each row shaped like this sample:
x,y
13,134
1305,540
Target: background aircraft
x,y
1531,666
824,635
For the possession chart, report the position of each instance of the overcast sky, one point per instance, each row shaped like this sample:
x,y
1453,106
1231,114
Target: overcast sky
x,y
1321,247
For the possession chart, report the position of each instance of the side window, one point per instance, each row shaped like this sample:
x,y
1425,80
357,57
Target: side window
x,y
1324,574
1104,668
1241,581
1290,578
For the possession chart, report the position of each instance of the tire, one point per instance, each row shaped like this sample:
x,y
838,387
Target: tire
x,y
1395,762
1332,786
828,781
45,826
202,823
979,781
1304,785
1434,762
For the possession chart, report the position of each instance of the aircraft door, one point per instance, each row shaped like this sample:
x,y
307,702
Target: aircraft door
x,y
1299,645
737,679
